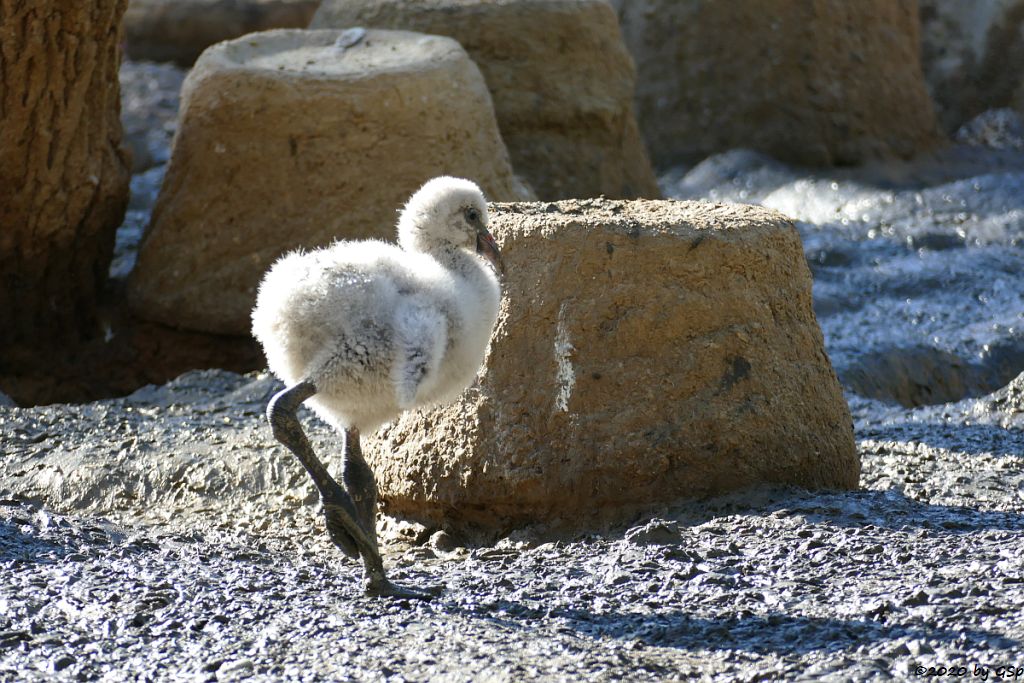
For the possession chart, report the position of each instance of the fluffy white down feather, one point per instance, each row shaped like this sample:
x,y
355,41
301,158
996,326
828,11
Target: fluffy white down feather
x,y
380,328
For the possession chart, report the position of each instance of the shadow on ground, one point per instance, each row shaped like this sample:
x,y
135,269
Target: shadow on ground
x,y
777,632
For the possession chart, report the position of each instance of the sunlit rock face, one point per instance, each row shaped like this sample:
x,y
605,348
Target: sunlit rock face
x,y
646,352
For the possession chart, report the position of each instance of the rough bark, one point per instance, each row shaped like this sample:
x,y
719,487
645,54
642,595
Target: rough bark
x,y
63,175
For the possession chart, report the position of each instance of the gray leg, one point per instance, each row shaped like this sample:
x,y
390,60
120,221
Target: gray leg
x,y
360,483
362,487
350,518
287,430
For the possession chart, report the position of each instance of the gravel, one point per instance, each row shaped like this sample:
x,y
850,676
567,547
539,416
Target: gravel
x,y
230,577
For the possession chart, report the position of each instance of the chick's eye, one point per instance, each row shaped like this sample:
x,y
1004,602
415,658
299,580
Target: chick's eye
x,y
472,215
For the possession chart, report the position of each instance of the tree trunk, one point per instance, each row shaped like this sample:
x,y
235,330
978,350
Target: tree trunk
x,y
63,174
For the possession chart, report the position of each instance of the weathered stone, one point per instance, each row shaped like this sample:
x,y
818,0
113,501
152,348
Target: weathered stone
x,y
179,30
818,82
973,56
645,352
286,140
561,79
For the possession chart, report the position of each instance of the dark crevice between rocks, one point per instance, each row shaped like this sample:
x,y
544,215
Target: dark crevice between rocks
x,y
920,376
127,353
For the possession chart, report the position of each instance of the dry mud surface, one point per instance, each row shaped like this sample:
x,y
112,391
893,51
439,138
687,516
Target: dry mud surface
x,y
165,535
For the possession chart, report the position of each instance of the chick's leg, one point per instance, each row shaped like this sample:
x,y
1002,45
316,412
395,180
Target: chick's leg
x,y
359,482
350,519
362,487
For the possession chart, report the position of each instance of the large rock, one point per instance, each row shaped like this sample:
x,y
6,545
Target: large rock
x,y
561,79
179,30
973,55
645,352
817,82
286,140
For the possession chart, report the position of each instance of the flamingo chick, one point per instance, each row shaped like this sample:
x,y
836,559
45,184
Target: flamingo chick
x,y
365,330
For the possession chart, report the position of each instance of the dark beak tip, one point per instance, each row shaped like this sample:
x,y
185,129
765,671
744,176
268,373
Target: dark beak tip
x,y
488,248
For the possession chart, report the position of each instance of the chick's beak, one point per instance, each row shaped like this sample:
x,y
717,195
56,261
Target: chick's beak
x,y
488,248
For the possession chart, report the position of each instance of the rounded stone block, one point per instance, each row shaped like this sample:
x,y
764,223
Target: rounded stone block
x,y
288,139
561,78
817,82
646,352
